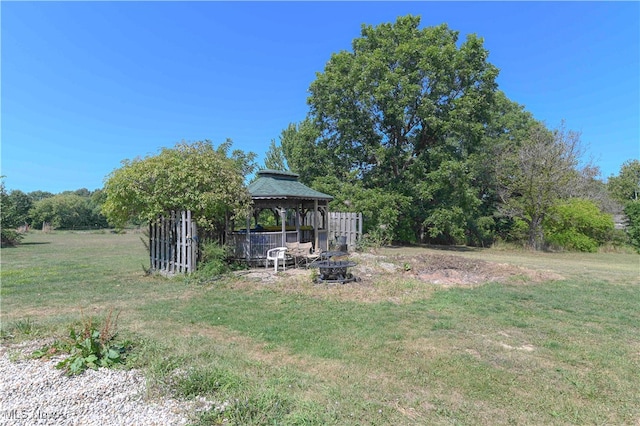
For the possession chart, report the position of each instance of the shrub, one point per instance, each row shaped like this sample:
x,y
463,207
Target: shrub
x,y
11,216
214,260
578,224
632,211
482,232
573,240
10,237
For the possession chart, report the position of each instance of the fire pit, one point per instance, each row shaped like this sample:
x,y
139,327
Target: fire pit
x,y
334,271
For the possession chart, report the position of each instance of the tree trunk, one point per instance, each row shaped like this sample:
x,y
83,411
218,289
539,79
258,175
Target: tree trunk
x,y
536,233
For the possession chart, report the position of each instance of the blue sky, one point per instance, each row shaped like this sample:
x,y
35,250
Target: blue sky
x,y
85,85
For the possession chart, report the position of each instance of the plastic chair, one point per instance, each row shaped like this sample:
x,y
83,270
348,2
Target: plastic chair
x,y
276,254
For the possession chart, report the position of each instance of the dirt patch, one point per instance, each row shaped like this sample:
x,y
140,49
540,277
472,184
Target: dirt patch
x,y
396,278
448,270
442,269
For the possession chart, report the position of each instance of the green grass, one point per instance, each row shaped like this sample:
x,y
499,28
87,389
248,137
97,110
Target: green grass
x,y
558,352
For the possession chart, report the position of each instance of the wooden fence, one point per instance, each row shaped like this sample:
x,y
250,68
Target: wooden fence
x,y
346,227
173,243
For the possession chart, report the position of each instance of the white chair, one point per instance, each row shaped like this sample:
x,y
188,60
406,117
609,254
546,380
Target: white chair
x,y
277,254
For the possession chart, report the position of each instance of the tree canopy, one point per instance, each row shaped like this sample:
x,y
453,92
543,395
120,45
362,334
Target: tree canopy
x,y
534,175
190,176
626,185
275,159
69,210
625,188
406,110
15,206
400,92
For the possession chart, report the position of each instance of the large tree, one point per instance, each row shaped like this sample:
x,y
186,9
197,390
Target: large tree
x,y
535,174
626,185
405,110
400,92
196,177
275,159
15,208
303,155
8,218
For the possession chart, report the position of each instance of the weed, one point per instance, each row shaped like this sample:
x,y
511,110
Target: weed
x,y
90,347
315,274
25,327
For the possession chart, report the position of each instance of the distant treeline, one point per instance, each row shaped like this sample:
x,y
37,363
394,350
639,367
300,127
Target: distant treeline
x,y
79,209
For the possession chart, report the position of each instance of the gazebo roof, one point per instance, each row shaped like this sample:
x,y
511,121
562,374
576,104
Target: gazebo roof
x,y
275,184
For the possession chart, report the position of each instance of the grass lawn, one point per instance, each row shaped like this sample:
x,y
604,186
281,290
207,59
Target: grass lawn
x,y
521,352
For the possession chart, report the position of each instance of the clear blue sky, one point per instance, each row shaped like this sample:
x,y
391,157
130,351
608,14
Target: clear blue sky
x,y
86,85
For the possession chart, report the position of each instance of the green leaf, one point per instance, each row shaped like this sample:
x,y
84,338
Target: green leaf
x,y
113,354
194,177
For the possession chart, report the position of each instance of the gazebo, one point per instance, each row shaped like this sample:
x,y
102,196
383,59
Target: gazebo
x,y
295,212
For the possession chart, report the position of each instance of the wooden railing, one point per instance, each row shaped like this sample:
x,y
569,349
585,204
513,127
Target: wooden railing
x,y
254,249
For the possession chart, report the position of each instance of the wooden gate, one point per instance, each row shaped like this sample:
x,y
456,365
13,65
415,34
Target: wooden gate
x,y
173,243
346,227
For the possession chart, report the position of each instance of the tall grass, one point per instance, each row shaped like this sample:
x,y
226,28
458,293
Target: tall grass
x,y
559,352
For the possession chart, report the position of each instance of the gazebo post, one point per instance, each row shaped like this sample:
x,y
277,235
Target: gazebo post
x,y
298,217
248,251
316,223
283,217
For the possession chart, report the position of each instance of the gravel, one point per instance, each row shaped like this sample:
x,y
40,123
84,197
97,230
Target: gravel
x,y
34,392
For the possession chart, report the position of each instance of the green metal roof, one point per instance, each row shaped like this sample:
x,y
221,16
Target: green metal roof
x,y
279,184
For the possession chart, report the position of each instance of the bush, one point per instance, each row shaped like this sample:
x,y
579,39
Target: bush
x,y
573,240
11,216
632,211
214,261
382,210
578,224
482,232
617,239
517,231
10,237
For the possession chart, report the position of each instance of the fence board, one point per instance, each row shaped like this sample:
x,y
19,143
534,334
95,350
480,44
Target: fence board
x,y
173,243
347,225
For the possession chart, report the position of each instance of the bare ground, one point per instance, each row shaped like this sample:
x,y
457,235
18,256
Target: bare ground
x,y
398,278
449,269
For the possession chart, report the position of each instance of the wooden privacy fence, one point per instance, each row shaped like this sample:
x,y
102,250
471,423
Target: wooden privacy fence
x,y
346,227
173,243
